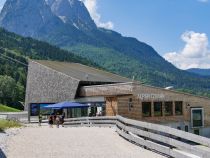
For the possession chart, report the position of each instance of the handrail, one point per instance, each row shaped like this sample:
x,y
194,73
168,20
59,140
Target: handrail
x,y
91,121
167,130
164,139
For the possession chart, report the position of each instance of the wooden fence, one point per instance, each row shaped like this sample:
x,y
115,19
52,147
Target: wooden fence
x,y
163,139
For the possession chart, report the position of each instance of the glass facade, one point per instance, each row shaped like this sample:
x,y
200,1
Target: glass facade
x,y
96,108
38,108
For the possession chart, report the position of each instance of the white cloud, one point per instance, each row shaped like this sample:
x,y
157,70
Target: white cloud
x,y
92,8
195,54
2,4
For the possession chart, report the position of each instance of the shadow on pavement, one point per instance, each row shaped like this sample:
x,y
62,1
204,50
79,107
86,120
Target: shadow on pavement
x,y
2,155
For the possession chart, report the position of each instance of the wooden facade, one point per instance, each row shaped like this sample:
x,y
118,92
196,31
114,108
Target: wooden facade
x,y
127,99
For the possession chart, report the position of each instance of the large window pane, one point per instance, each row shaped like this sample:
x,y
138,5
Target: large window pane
x,y
146,109
168,108
197,117
34,109
158,108
178,107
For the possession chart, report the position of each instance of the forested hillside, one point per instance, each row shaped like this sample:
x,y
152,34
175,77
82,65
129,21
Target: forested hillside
x,y
13,74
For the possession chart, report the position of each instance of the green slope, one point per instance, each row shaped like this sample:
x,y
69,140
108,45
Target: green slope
x,y
13,75
4,108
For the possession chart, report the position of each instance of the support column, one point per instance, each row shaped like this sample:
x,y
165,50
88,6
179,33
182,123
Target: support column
x,y
152,109
173,108
163,109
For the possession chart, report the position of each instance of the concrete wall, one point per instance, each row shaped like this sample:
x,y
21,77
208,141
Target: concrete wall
x,y
45,85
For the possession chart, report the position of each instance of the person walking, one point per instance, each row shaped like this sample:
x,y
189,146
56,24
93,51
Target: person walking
x,y
62,118
40,119
50,121
57,120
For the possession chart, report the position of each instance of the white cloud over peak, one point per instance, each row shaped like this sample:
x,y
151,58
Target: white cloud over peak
x,y
93,10
195,54
2,4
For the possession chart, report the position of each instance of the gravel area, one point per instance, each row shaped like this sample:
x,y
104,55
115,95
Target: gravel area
x,y
81,142
4,137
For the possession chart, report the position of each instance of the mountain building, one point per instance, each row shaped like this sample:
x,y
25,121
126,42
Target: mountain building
x,y
50,82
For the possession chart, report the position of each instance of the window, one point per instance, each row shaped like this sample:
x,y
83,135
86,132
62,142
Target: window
x,y
36,109
197,117
158,108
178,107
146,109
186,128
168,108
130,104
196,131
179,128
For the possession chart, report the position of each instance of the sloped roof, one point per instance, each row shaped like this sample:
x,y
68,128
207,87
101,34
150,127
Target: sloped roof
x,y
82,72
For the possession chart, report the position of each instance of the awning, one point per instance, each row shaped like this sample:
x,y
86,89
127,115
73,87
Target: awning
x,y
66,105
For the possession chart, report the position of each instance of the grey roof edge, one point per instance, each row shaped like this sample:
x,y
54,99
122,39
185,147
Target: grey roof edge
x,y
35,61
139,83
106,72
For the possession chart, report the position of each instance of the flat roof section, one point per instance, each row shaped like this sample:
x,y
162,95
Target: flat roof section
x,y
82,72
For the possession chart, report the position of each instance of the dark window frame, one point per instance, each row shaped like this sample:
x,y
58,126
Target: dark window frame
x,y
161,109
171,108
186,128
176,104
193,123
150,109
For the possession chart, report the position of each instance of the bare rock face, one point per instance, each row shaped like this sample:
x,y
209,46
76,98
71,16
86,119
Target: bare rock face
x,y
72,12
42,18
28,17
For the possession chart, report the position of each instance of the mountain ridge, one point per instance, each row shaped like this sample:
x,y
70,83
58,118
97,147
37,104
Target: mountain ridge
x,y
199,71
108,49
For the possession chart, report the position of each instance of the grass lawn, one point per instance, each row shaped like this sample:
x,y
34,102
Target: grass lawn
x,y
4,124
4,108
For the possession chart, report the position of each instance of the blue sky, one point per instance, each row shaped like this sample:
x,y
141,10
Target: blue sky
x,y
177,29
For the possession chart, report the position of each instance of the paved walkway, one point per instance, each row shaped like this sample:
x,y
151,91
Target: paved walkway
x,y
81,142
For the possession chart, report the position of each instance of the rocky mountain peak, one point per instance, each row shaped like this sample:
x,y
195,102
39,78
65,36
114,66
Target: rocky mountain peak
x,y
72,12
31,17
38,18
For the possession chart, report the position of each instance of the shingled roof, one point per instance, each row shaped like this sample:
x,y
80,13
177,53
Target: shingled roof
x,y
83,72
